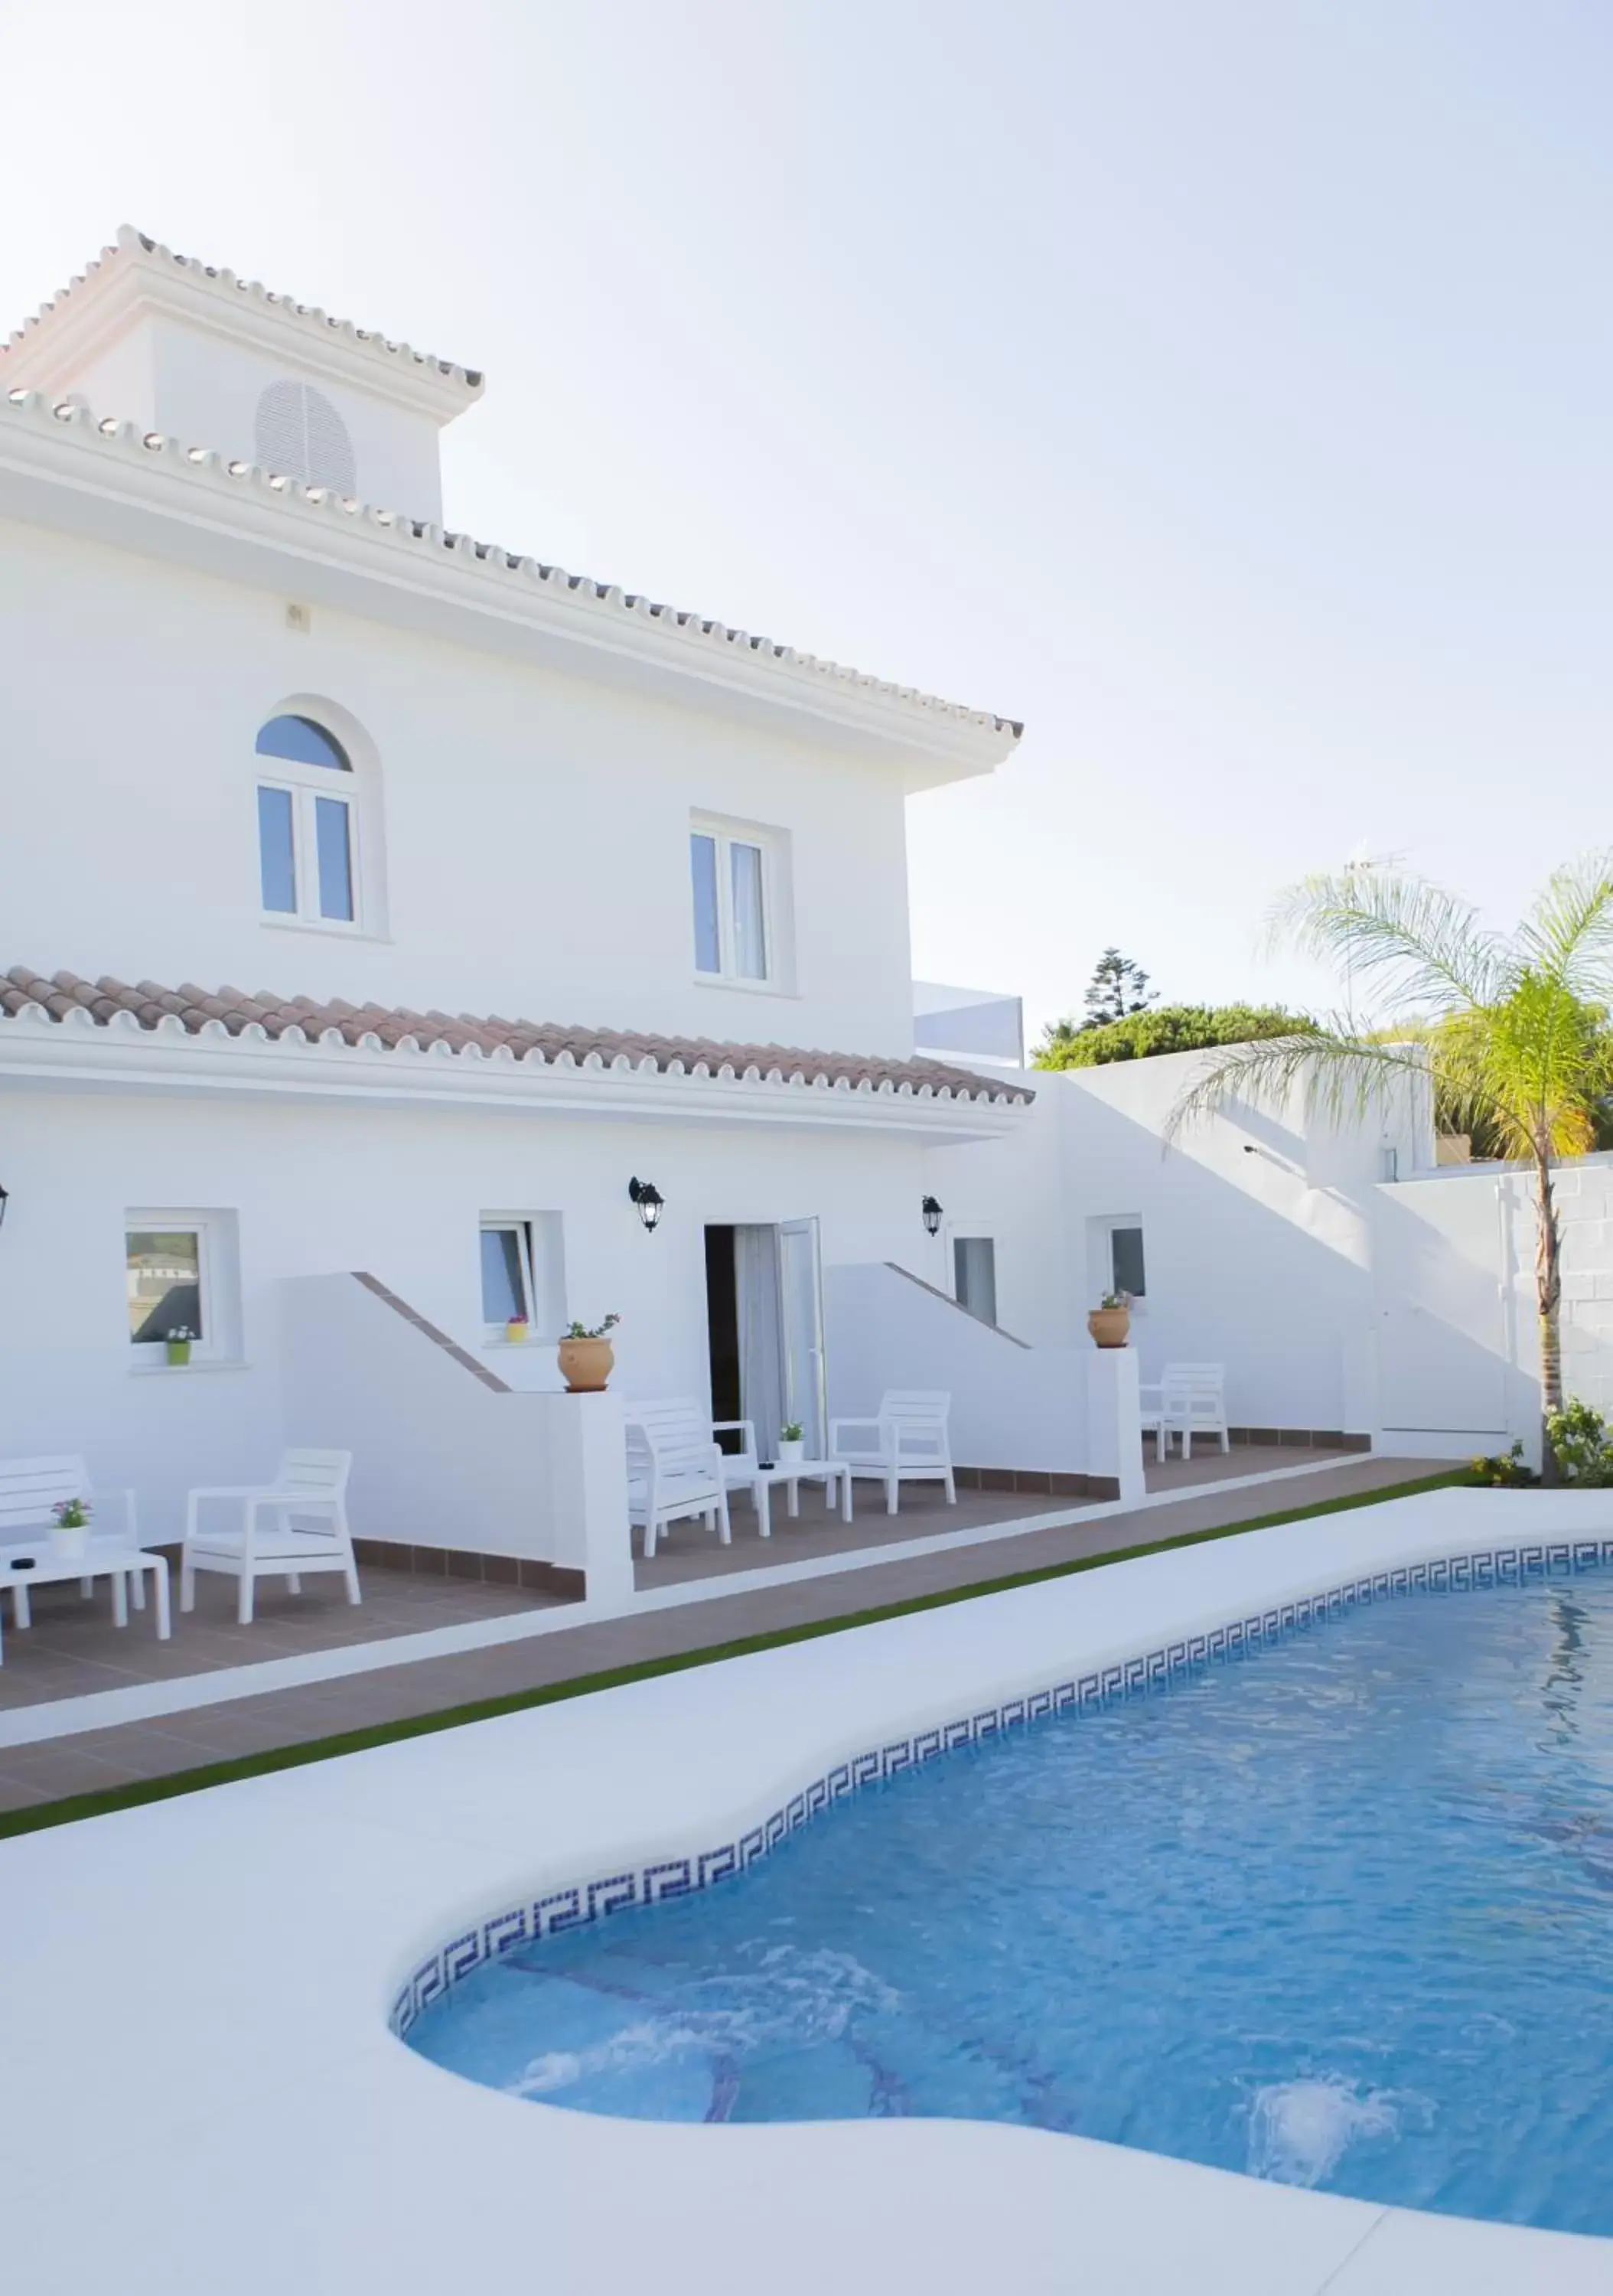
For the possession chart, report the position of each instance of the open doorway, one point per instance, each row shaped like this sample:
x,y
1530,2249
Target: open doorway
x,y
765,1308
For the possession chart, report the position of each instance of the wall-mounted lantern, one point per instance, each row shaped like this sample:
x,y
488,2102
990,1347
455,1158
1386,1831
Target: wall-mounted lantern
x,y
931,1211
649,1199
5,1197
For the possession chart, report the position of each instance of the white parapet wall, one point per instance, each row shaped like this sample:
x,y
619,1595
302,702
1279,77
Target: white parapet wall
x,y
1061,1411
444,1453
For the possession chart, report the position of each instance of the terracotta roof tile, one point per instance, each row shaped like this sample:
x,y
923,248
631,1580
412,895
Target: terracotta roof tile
x,y
194,1007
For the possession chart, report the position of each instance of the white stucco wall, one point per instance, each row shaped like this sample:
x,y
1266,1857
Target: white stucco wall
x,y
316,1189
536,826
1258,1260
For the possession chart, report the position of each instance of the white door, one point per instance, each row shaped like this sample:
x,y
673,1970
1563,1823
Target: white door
x,y
801,1300
1442,1347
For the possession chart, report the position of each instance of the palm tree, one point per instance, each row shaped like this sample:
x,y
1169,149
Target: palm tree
x,y
1513,1030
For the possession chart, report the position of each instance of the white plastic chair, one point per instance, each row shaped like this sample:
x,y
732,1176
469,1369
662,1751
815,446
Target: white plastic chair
x,y
914,1445
308,1484
676,1467
1189,1399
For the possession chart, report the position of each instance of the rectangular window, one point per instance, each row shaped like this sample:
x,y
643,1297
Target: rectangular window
x,y
1126,1262
506,1273
974,1262
182,1281
330,819
308,860
523,1273
739,878
164,1282
276,851
708,920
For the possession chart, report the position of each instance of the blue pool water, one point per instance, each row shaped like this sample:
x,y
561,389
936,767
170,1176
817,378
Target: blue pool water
x,y
1340,1913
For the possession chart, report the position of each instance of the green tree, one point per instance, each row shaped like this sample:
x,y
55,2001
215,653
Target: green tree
x,y
1117,988
1167,1029
1513,1028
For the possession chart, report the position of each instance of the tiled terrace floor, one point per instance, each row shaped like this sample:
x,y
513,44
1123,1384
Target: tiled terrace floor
x,y
171,1743
73,1648
690,1551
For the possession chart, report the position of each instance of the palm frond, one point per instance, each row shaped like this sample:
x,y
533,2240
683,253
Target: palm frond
x,y
1568,934
1419,944
1340,1072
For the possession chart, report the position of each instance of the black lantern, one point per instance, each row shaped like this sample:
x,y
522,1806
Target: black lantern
x,y
649,1199
933,1216
5,1199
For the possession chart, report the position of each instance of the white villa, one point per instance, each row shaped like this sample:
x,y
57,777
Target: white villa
x,y
379,903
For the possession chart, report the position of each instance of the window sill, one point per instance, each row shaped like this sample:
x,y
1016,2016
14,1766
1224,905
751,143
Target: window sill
x,y
331,928
533,1346
186,1371
744,988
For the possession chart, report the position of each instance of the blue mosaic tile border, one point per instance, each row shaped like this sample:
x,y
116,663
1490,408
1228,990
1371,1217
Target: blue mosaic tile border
x,y
678,1877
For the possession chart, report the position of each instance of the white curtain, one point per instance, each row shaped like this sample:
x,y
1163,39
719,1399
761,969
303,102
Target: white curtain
x,y
756,1275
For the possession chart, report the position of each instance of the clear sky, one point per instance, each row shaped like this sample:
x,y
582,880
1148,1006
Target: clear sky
x,y
1225,386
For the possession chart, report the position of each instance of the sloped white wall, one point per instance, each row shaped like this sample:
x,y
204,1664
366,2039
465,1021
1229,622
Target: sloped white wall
x,y
442,1454
1012,1405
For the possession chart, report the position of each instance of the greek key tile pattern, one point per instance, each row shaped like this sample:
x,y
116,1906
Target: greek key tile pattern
x,y
676,1877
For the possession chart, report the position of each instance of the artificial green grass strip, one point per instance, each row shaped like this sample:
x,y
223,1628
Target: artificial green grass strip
x,y
108,1798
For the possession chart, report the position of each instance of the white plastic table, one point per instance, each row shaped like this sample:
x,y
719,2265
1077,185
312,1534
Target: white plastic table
x,y
792,1473
102,1558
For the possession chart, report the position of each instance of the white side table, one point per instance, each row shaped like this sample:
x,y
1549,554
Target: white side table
x,y
102,1558
792,1474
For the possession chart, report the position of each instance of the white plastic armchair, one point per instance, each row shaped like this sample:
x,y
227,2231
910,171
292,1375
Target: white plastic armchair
x,y
912,1443
676,1467
1189,1399
306,1507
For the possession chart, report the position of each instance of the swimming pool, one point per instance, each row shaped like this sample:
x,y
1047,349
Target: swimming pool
x,y
1338,1916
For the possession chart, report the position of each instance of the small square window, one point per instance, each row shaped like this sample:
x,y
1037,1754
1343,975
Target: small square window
x,y
164,1285
506,1274
522,1275
182,1281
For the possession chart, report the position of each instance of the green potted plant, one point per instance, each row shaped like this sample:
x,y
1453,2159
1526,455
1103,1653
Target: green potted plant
x,y
792,1447
587,1357
1111,1321
178,1342
517,1331
70,1529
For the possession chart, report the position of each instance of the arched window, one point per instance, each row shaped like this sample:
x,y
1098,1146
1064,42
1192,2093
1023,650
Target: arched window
x,y
308,824
299,435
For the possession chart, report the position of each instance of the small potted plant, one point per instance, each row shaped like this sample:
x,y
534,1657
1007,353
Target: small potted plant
x,y
792,1447
179,1342
587,1357
517,1331
1111,1321
70,1530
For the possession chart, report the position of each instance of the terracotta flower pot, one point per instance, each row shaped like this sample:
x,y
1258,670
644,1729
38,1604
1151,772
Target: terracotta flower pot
x,y
587,1366
1110,1327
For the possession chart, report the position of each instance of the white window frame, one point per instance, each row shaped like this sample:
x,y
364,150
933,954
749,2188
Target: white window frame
x,y
304,785
218,1284
542,1264
726,836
